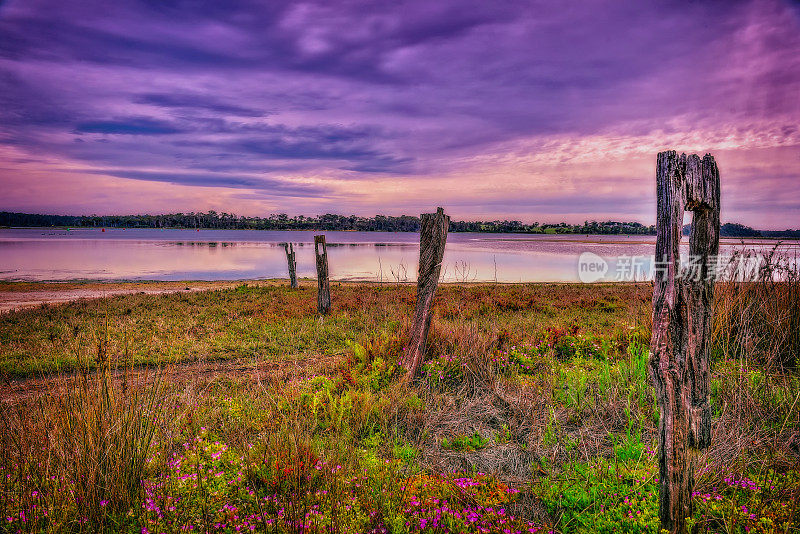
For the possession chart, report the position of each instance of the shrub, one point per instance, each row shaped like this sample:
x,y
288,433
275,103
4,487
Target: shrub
x,y
465,443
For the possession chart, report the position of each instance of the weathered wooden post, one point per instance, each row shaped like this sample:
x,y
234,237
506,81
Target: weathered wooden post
x,y
432,239
290,258
681,325
323,285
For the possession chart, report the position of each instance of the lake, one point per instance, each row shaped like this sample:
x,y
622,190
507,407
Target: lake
x,y
49,254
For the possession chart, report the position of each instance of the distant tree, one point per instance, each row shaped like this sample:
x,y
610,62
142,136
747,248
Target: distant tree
x,y
330,221
738,230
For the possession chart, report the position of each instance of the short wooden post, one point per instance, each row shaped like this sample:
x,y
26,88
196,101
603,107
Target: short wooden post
x,y
682,324
323,285
432,240
290,259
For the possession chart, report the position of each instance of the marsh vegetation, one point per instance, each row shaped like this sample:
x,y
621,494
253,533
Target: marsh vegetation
x,y
238,409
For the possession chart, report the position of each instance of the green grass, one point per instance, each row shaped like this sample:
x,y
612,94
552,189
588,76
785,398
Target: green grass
x,y
465,443
534,413
273,322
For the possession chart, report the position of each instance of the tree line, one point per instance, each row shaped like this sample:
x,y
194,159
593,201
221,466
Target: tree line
x,y
329,221
332,222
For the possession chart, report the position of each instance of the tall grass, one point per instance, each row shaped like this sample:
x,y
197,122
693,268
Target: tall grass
x,y
758,317
73,458
543,388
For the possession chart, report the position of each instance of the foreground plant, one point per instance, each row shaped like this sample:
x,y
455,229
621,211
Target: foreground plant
x,y
78,457
209,487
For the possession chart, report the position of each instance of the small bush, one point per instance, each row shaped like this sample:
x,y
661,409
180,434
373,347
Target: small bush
x,y
465,443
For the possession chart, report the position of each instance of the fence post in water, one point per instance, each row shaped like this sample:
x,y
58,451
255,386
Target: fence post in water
x,y
289,248
323,286
681,335
432,239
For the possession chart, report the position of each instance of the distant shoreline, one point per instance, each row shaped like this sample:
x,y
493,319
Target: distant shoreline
x,y
70,227
212,220
545,235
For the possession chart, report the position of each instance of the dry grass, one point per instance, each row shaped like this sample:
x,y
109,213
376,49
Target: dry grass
x,y
81,452
274,383
759,319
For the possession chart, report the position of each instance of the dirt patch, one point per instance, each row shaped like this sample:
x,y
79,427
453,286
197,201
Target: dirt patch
x,y
198,374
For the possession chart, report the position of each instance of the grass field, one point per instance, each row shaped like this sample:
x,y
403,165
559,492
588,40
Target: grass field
x,y
239,409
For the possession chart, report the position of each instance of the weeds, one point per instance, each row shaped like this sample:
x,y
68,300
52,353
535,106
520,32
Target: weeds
x,y
534,413
759,318
465,443
78,457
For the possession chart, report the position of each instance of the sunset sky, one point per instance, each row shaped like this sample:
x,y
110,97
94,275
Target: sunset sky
x,y
537,111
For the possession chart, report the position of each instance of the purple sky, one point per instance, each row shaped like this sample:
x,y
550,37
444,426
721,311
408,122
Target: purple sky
x,y
529,110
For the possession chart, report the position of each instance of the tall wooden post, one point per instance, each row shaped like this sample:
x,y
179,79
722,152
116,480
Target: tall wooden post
x,y
682,324
432,239
323,285
290,259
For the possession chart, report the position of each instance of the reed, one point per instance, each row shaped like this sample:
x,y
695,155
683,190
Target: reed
x,y
757,309
74,457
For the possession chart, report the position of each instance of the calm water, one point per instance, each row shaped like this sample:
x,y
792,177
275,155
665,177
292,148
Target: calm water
x,y
125,254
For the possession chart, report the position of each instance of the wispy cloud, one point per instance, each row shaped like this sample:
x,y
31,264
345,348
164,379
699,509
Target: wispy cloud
x,y
197,102
512,109
128,126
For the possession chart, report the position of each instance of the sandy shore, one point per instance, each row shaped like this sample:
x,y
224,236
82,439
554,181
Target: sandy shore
x,y
19,295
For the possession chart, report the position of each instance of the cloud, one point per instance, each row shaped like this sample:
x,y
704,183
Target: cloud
x,y
197,102
128,126
272,186
402,97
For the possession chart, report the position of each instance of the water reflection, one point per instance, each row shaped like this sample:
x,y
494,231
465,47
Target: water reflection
x,y
45,254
